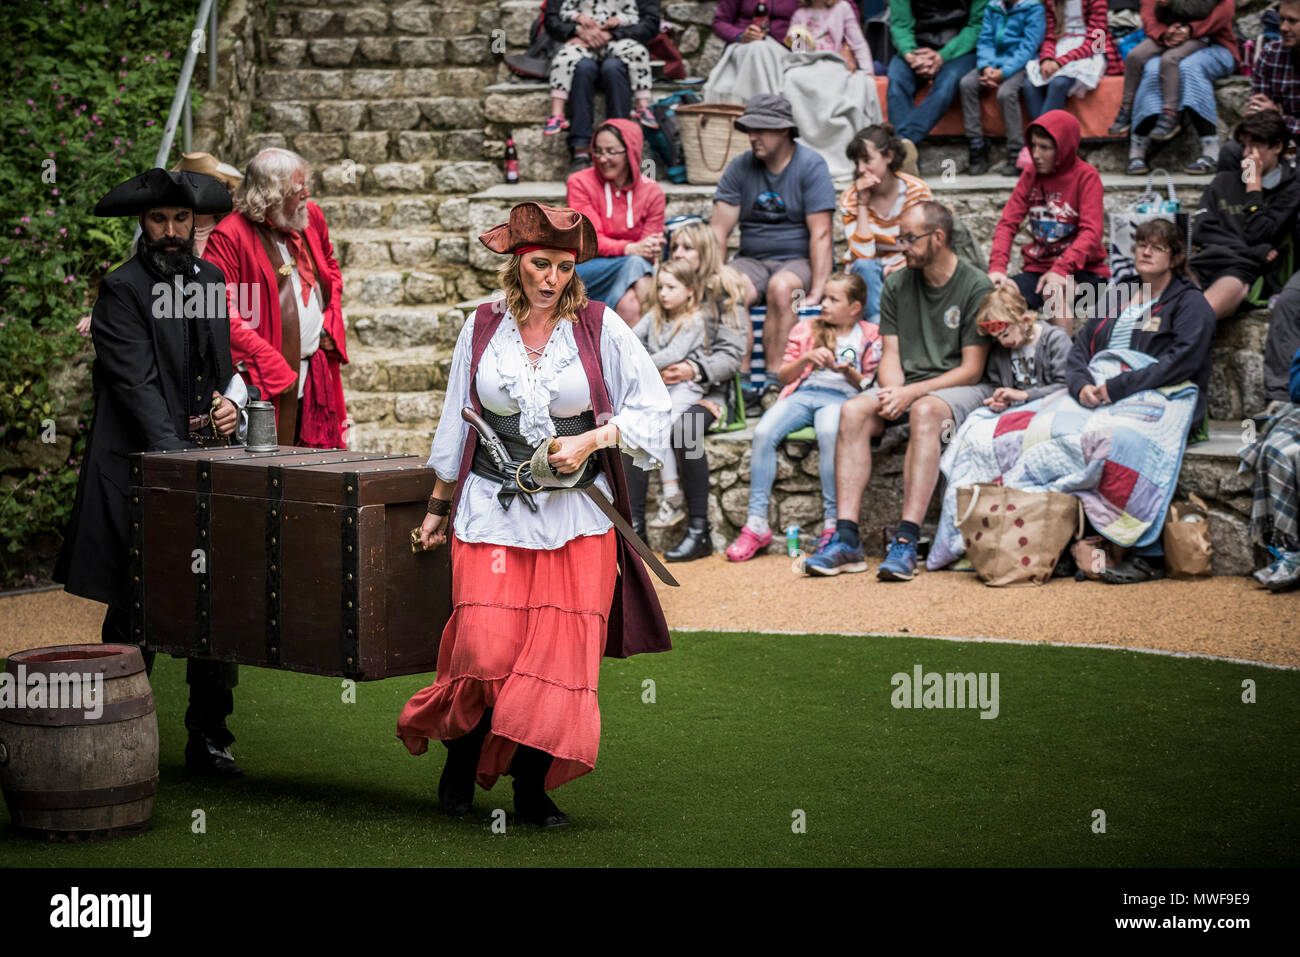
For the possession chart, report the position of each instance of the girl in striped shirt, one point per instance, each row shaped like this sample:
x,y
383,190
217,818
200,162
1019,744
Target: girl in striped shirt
x,y
872,206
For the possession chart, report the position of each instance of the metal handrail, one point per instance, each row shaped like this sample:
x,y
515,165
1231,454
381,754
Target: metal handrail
x,y
181,99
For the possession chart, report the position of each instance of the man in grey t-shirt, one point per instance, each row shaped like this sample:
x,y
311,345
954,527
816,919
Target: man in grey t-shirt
x,y
781,195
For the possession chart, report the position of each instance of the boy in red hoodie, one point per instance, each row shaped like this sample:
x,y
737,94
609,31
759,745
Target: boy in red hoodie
x,y
1063,198
627,209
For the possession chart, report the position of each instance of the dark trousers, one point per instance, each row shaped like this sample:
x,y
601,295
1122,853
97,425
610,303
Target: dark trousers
x,y
692,465
912,122
1041,99
212,683
1027,281
617,87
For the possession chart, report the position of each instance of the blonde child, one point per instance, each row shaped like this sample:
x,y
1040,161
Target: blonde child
x,y
828,360
672,329
1028,361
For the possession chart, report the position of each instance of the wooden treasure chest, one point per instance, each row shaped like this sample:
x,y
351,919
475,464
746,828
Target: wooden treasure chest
x,y
296,559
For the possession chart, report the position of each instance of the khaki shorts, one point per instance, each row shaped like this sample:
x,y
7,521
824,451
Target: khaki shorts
x,y
761,271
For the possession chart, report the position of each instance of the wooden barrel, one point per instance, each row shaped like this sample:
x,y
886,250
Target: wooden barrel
x,y
78,742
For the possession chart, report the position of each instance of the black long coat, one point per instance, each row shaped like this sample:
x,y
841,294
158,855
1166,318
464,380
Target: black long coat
x,y
141,373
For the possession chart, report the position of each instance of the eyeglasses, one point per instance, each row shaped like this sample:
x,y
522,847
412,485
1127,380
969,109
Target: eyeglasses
x,y
1153,247
993,327
605,152
907,239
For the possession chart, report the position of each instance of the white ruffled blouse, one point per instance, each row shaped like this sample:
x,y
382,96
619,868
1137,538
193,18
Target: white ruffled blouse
x,y
508,383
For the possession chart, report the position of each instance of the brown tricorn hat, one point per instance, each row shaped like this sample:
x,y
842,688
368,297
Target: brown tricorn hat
x,y
550,227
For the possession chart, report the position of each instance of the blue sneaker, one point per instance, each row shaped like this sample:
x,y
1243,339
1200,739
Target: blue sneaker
x,y
1287,575
900,564
835,557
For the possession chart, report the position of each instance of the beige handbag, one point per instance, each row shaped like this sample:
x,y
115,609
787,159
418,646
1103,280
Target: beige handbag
x,y
1015,537
710,139
1186,539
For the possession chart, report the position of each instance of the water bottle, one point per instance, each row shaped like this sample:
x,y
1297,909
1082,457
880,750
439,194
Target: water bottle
x,y
792,541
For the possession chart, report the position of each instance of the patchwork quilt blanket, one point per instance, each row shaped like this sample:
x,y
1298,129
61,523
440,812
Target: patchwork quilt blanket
x,y
1122,459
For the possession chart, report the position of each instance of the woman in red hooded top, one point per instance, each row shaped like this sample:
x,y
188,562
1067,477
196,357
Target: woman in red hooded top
x,y
1063,199
627,209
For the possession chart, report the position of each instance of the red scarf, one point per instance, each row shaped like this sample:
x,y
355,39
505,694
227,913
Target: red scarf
x,y
302,259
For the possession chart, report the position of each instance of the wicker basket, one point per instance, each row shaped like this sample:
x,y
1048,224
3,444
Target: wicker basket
x,y
709,139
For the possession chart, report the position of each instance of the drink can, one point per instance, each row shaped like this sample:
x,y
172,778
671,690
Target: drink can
x,y
792,541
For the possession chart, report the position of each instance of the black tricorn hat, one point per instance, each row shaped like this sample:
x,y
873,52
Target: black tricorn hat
x,y
532,224
159,187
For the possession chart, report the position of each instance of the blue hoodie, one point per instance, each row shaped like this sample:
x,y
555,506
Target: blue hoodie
x,y
1010,35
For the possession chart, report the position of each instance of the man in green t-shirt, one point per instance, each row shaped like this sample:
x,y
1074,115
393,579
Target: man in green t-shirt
x,y
930,376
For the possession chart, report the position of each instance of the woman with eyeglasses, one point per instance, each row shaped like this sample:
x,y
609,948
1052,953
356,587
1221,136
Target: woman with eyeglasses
x,y
1166,316
627,209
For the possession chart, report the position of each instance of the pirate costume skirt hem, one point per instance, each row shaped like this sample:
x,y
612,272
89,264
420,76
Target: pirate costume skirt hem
x,y
525,638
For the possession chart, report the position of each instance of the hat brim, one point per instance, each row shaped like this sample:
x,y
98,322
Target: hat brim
x,y
763,123
532,224
156,188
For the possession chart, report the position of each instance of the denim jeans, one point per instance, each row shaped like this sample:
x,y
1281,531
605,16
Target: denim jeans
x,y
806,405
913,122
1040,99
872,272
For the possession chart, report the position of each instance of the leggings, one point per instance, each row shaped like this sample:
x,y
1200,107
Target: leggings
x,y
692,465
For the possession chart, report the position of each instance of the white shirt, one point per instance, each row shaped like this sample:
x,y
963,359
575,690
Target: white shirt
x,y
507,383
311,319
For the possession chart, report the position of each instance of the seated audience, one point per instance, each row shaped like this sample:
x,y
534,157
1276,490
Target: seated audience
x,y
627,209
1009,37
1245,214
930,373
828,360
1028,358
1275,459
833,25
871,207
1062,196
1077,52
1282,342
671,330
606,40
781,195
934,42
734,21
1189,44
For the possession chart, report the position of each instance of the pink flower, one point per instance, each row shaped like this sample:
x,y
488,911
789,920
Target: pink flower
x,y
167,54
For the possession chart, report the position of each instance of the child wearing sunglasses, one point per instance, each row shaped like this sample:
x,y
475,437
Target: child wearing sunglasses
x,y
1029,358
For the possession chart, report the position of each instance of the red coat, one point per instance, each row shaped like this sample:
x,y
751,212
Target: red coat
x,y
255,339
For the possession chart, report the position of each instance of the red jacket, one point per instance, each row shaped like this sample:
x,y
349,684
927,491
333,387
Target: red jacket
x,y
1065,210
255,339
1095,13
1217,27
624,215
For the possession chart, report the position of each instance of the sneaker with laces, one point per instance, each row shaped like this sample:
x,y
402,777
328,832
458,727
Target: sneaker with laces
x,y
646,117
1287,575
670,512
835,557
748,544
556,124
900,564
824,539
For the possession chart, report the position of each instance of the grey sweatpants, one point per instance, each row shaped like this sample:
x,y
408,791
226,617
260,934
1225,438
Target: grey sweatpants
x,y
1008,100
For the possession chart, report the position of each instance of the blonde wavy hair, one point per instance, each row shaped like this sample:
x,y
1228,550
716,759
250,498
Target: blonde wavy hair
x,y
716,285
268,182
684,274
570,302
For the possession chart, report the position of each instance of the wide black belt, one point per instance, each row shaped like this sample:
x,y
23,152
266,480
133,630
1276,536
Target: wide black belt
x,y
520,452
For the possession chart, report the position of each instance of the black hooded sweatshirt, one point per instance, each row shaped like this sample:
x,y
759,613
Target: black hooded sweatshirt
x,y
1234,228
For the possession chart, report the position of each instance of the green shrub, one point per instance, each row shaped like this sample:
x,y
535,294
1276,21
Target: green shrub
x,y
83,103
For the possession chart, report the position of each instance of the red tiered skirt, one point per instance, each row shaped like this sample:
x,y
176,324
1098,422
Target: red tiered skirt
x,y
525,638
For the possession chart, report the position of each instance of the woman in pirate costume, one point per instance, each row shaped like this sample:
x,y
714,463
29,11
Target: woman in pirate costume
x,y
546,389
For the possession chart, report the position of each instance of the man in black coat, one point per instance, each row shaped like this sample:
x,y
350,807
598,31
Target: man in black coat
x,y
163,380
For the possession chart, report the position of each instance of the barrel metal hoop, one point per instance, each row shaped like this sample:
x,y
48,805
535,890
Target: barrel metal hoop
x,y
76,717
122,665
84,797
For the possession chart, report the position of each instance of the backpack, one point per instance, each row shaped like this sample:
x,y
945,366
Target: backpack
x,y
664,145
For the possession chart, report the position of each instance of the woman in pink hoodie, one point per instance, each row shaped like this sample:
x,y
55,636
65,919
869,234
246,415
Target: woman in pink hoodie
x,y
627,209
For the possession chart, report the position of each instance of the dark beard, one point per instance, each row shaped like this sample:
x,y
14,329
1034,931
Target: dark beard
x,y
170,257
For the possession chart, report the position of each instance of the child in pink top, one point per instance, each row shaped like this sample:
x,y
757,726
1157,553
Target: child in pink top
x,y
833,24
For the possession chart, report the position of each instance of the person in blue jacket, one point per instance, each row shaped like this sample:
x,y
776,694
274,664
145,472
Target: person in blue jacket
x,y
1009,37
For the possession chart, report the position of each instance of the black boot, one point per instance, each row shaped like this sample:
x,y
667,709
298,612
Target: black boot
x,y
529,768
456,786
979,158
206,756
638,526
698,543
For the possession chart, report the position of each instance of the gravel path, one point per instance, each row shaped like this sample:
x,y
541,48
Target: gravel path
x,y
1219,616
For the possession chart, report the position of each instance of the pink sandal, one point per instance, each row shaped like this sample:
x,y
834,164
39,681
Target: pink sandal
x,y
746,546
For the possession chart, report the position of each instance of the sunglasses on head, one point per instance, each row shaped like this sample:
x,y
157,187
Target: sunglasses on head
x,y
993,327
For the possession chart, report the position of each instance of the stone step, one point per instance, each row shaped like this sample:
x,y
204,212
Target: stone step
x,y
408,369
390,287
391,440
394,327
374,147
409,411
415,246
379,84
348,177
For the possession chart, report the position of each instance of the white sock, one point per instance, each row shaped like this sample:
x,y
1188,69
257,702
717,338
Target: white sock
x,y
1138,146
1210,146
758,525
671,487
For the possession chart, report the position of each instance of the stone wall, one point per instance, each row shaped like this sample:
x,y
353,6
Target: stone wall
x,y
223,123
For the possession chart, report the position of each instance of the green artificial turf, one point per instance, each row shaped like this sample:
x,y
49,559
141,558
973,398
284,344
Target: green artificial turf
x,y
745,730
